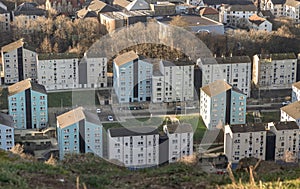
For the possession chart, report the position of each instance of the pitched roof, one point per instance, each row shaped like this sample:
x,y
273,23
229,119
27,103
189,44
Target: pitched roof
x,y
297,85
233,60
292,3
25,84
29,8
99,6
167,63
278,1
6,120
51,56
13,45
293,110
125,57
70,117
250,7
121,3
230,2
138,5
216,87
286,125
267,13
256,19
208,11
278,56
180,128
133,131
3,11
251,127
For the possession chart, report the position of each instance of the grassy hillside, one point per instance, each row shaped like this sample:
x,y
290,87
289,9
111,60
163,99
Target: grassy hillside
x,y
88,171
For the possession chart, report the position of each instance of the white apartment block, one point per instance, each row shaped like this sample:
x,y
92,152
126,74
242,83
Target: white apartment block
x,y
236,15
235,70
58,71
296,91
6,132
292,10
135,147
275,6
173,81
19,62
4,18
93,71
287,139
180,140
291,112
242,141
274,71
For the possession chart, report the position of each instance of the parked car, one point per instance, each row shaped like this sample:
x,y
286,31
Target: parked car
x,y
98,110
110,118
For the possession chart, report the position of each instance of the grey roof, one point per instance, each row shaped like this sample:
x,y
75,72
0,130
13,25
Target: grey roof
x,y
39,88
230,2
286,125
6,120
243,7
133,131
3,11
29,8
237,90
209,60
180,128
252,127
138,5
233,59
92,117
278,1
177,63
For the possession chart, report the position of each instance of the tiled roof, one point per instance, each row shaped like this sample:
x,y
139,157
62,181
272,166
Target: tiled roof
x,y
70,117
6,120
251,127
293,110
180,128
297,85
29,8
133,131
25,84
121,3
243,8
292,3
125,57
216,87
13,46
208,11
138,5
286,125
256,19
230,2
99,6
233,60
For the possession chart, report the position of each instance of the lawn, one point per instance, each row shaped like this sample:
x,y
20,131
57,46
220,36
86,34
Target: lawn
x,y
67,99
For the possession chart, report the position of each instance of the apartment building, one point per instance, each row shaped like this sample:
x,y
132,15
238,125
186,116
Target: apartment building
x,y
79,131
19,62
236,15
6,132
4,18
180,140
58,71
291,112
287,140
258,23
246,140
28,105
296,91
93,71
274,71
173,81
291,10
220,104
135,147
266,141
132,78
275,6
236,70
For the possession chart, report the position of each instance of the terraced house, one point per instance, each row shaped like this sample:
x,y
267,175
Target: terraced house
x,y
79,131
28,105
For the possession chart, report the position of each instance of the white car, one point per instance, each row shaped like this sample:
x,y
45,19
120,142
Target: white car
x,y
98,110
110,118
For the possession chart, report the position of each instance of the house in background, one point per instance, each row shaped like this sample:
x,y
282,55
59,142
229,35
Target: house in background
x,y
58,71
6,132
19,62
291,112
220,104
210,13
296,91
4,18
274,71
79,131
275,6
135,147
28,105
259,23
132,78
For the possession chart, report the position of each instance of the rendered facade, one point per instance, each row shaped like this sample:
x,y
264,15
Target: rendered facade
x,y
6,132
